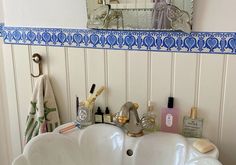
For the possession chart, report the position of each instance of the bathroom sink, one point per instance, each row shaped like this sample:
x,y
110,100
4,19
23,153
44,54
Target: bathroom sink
x,y
104,144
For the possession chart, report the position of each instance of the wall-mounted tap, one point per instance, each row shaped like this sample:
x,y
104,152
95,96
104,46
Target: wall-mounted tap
x,y
128,117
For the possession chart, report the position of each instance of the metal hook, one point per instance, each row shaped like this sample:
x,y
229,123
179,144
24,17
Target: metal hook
x,y
37,59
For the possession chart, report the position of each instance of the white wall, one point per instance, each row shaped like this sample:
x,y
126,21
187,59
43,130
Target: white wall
x,y
46,13
214,15
1,12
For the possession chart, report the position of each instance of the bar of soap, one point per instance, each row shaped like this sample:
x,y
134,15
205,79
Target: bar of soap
x,y
203,146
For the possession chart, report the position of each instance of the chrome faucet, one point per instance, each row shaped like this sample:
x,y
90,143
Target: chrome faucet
x,y
128,117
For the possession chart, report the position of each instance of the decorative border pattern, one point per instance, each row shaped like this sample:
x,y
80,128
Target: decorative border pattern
x,y
196,42
1,29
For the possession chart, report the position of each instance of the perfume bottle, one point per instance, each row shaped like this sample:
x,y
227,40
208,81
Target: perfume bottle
x,y
149,119
99,116
107,116
192,126
169,117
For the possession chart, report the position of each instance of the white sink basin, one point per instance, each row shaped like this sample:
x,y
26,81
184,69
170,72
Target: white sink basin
x,y
104,144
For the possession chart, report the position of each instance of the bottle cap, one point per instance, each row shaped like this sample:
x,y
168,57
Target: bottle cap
x,y
150,105
92,89
170,102
99,110
193,114
107,111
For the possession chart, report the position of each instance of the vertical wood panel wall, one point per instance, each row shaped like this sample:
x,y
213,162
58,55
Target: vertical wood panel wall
x,y
4,151
206,81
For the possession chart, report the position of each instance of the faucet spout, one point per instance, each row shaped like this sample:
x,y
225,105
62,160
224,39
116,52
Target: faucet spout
x,y
128,117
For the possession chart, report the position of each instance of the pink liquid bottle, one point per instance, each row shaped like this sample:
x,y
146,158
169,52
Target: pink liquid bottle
x,y
169,117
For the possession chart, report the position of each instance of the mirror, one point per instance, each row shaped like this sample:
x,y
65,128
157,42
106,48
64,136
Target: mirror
x,y
140,14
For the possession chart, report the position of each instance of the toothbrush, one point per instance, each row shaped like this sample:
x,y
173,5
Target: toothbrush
x,y
77,106
93,97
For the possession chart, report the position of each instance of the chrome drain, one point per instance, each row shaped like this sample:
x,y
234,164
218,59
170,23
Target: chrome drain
x,y
129,152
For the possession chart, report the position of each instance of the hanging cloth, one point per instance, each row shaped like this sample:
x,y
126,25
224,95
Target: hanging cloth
x,y
43,112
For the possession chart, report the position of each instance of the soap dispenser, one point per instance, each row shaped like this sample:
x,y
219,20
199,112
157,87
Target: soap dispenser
x,y
149,119
169,117
192,126
99,116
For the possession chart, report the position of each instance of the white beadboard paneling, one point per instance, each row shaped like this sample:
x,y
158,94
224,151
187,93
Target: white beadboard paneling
x,y
41,50
58,77
96,73
211,68
4,149
192,79
228,143
4,154
23,81
160,79
11,90
77,77
138,79
184,83
117,74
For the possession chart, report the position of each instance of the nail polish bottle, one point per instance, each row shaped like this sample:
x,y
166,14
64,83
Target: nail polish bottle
x,y
107,116
99,116
169,117
192,126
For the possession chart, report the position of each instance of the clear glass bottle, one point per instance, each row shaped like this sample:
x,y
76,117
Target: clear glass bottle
x,y
149,119
192,126
169,117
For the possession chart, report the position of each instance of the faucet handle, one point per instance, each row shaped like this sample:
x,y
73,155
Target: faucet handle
x,y
119,120
135,105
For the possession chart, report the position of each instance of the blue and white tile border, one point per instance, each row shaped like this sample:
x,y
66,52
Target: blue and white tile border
x,y
1,29
196,42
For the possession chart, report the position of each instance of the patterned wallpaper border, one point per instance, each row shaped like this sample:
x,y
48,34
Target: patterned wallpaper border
x,y
196,42
1,29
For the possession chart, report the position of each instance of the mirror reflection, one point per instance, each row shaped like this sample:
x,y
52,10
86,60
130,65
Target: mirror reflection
x,y
140,14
